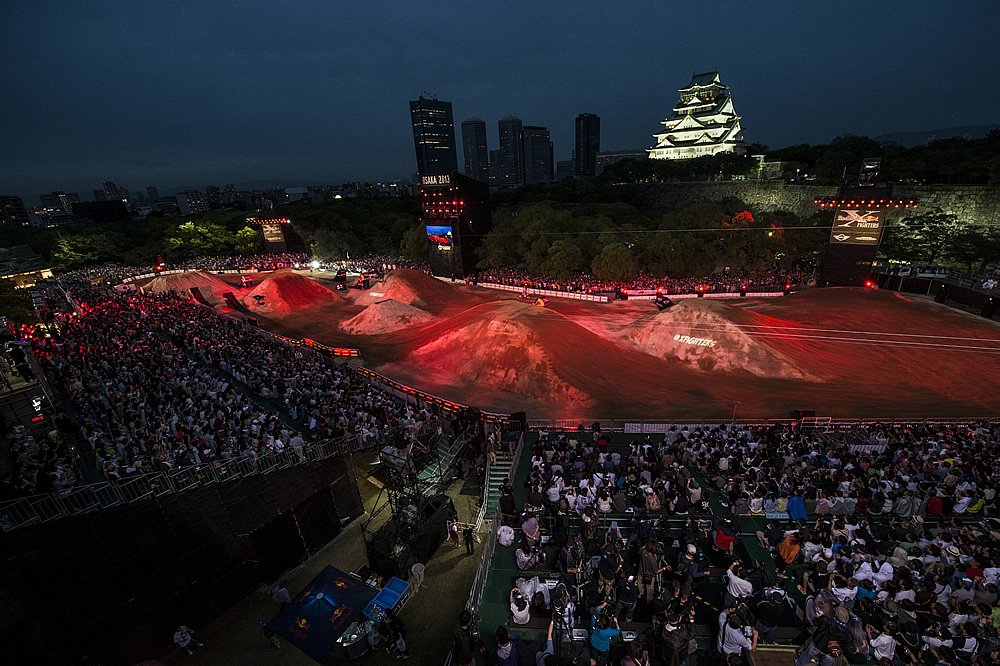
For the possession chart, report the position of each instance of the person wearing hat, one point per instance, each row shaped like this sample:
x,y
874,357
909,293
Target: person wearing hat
x,y
686,571
826,646
627,594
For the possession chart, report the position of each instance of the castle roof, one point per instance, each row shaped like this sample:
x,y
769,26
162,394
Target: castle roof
x,y
703,79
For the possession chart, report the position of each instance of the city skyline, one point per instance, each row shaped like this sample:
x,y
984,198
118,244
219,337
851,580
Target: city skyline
x,y
313,93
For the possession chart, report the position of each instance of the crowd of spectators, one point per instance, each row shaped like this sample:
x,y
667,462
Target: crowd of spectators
x,y
877,536
159,382
729,281
378,264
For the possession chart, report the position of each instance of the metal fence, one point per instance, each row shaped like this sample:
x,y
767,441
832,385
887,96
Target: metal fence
x,y
104,495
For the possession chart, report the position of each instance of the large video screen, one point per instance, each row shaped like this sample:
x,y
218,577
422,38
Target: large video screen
x,y
440,236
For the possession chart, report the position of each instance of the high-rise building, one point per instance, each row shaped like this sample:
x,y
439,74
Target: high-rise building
x,y
703,122
494,168
13,212
588,144
214,197
112,192
537,151
564,169
474,148
59,201
152,193
511,164
433,136
192,202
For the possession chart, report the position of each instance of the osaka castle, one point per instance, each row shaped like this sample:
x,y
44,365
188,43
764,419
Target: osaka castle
x,y
703,122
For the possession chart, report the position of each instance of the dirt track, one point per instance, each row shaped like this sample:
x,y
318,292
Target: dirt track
x,y
865,353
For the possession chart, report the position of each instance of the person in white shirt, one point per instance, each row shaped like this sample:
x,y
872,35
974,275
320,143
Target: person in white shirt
x,y
734,641
737,587
882,644
519,609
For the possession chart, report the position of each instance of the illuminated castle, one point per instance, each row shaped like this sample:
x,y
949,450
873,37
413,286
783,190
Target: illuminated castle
x,y
703,122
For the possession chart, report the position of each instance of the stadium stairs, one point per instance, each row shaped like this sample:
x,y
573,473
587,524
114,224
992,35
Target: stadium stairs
x,y
496,473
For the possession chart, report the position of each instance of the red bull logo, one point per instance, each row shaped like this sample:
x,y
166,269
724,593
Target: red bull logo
x,y
299,628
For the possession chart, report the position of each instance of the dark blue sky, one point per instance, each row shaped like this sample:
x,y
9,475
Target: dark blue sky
x,y
196,93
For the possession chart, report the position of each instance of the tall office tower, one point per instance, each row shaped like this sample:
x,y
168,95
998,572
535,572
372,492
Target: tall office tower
x,y
152,193
214,196
60,201
112,192
537,151
192,202
510,168
433,136
588,144
474,147
494,168
13,212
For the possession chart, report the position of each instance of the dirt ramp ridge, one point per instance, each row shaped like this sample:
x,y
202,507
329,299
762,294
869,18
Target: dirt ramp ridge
x,y
284,292
387,316
212,287
410,287
499,347
711,336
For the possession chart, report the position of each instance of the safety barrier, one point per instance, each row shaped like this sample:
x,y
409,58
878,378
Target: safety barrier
x,y
97,496
720,294
548,293
659,426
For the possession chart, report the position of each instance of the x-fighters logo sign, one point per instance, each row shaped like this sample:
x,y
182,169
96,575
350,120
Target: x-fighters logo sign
x,y
868,219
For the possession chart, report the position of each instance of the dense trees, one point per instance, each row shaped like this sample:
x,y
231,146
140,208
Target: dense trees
x,y
960,161
617,240
933,237
15,304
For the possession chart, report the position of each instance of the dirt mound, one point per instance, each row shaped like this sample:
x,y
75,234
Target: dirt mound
x,y
284,292
408,286
386,316
499,347
712,336
212,287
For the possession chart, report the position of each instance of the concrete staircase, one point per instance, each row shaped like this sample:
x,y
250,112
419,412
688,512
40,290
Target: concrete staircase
x,y
495,474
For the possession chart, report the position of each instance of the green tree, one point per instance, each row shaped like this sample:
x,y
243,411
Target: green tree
x,y
15,304
73,253
615,262
970,245
247,240
921,236
564,259
414,243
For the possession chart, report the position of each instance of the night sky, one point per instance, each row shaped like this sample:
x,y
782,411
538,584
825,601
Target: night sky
x,y
180,94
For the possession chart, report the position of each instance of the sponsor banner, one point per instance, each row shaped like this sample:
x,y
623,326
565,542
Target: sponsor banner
x,y
547,292
856,226
272,233
697,342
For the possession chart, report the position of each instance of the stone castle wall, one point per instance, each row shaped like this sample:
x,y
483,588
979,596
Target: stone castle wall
x,y
979,204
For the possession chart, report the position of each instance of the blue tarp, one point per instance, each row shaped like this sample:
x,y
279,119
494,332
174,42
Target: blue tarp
x,y
319,614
